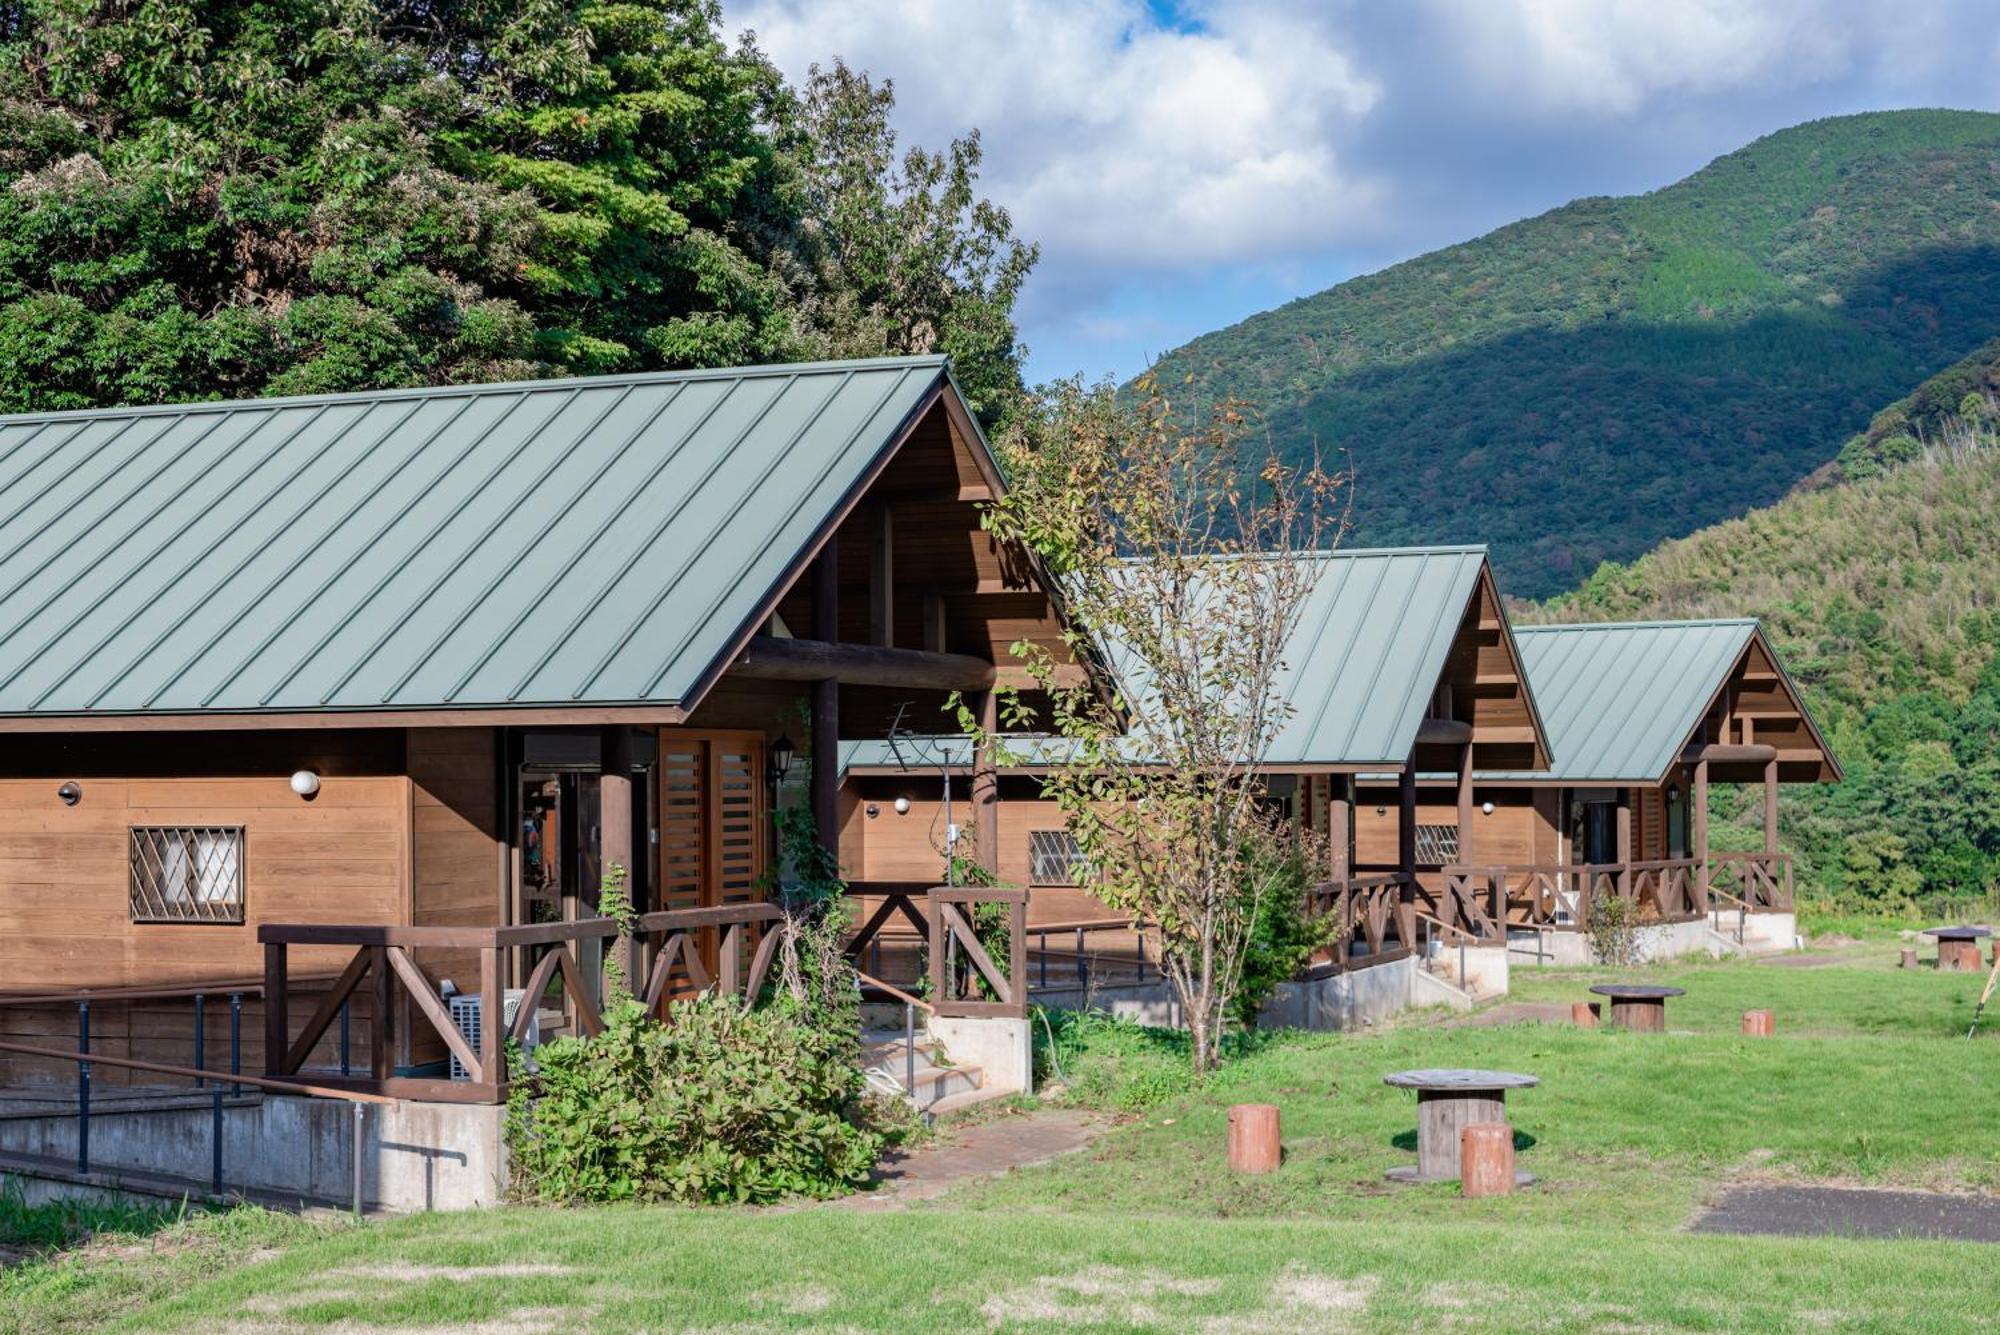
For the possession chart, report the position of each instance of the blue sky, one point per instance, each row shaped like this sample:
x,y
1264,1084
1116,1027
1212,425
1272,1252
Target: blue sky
x,y
1186,163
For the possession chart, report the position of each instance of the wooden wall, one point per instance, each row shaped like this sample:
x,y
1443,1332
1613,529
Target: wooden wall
x,y
455,840
1522,828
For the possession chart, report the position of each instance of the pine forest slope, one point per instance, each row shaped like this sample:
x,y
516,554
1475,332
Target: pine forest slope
x,y
1580,385
1883,595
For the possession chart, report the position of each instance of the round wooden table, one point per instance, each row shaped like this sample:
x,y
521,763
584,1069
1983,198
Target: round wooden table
x,y
1958,946
1448,1100
1639,1006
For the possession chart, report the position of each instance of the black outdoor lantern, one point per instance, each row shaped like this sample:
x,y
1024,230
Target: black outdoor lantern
x,y
779,762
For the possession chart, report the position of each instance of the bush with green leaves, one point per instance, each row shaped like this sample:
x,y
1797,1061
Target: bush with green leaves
x,y
1613,926
1280,865
716,1106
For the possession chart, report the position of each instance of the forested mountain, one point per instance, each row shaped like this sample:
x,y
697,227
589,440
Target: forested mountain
x,y
1578,386
247,197
1883,594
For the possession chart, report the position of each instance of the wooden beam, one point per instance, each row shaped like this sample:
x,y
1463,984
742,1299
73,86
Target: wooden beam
x,y
769,659
1340,824
882,577
614,791
1771,805
986,789
1406,826
1465,802
1698,814
1722,753
825,698
1624,841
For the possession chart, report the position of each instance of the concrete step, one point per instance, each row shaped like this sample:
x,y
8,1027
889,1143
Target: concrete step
x,y
957,1104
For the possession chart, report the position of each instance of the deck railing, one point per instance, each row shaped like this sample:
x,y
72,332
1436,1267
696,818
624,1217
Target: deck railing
x,y
960,974
1373,923
1559,896
674,953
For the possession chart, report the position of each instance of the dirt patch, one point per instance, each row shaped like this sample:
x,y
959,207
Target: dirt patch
x,y
985,1150
1512,1012
1099,1295
1853,1212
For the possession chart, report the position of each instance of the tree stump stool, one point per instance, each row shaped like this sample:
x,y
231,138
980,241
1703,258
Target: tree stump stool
x,y
1639,1006
1253,1138
1760,1024
1909,960
1958,947
1486,1159
1583,1013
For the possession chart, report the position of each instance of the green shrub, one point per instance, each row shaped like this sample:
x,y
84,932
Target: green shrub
x,y
1613,928
1279,865
716,1105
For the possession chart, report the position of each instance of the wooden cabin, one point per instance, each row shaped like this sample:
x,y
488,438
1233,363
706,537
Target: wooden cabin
x,y
1402,660
323,709
1643,718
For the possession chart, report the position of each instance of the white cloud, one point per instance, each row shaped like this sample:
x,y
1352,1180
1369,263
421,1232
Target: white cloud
x,y
1115,140
1616,56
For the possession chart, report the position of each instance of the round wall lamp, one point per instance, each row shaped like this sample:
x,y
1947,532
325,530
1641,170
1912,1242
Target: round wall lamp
x,y
873,811
305,783
71,793
1486,807
902,806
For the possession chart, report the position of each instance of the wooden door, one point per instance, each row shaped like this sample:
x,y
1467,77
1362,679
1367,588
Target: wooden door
x,y
714,822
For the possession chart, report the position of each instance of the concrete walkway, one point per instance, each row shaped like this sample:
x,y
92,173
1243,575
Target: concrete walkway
x,y
1847,1212
985,1150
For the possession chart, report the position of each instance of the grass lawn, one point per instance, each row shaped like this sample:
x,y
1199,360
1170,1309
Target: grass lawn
x,y
1870,1082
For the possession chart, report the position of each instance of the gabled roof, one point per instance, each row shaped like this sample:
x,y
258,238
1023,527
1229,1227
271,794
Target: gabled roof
x,y
566,543
1620,699
1369,648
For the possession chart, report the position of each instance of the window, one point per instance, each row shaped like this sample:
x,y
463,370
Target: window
x,y
184,873
1054,858
1437,844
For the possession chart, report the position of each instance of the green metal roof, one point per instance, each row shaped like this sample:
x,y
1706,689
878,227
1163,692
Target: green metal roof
x,y
1359,667
1620,699
562,542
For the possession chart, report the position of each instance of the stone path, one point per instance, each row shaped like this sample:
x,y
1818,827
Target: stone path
x,y
1845,1212
985,1150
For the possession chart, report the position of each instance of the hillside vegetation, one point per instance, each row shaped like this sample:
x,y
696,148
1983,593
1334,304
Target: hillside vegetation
x,y
1578,386
1883,595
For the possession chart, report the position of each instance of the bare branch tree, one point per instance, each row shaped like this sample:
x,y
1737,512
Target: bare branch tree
x,y
1187,568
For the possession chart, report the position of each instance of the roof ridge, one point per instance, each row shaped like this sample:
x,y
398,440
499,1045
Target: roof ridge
x,y
1662,623
760,370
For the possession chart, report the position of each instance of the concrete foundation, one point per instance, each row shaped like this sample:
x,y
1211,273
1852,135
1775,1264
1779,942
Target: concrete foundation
x,y
1003,1048
414,1156
1763,934
1354,999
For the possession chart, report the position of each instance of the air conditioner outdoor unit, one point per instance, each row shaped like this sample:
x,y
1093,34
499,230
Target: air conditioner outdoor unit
x,y
466,1011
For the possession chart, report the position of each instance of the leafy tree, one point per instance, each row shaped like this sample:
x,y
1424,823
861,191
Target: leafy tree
x,y
1194,582
318,195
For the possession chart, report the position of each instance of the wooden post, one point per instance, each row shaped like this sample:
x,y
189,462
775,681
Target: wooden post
x,y
1698,816
882,578
1909,960
614,798
1486,1159
986,789
1583,1014
277,1024
826,702
1406,852
1340,824
935,636
381,1002
1253,1138
1465,803
1760,1023
1624,843
1771,805
493,1018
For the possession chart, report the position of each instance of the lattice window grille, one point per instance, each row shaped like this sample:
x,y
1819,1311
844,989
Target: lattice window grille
x,y
1054,858
187,873
1437,844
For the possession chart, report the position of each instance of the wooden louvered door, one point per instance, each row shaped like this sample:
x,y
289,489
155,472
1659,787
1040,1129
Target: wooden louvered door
x,y
714,830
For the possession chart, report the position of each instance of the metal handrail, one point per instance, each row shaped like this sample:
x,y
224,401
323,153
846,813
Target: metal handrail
x,y
85,1060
